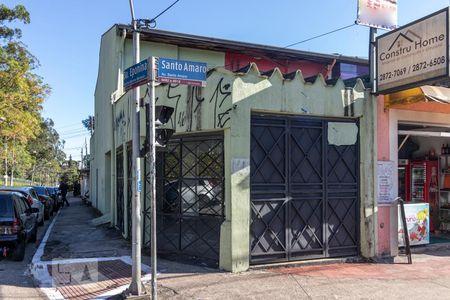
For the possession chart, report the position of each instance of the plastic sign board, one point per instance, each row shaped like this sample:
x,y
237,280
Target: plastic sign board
x,y
414,54
418,223
170,70
137,75
377,13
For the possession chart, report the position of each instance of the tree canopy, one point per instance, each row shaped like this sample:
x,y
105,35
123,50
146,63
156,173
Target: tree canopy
x,y
28,141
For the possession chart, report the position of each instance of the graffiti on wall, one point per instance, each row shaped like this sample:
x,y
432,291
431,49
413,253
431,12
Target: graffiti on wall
x,y
197,108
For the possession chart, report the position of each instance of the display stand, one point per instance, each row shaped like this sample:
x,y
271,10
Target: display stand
x,y
444,192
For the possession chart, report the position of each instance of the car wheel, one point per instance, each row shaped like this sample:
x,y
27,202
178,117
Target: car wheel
x,y
33,236
19,252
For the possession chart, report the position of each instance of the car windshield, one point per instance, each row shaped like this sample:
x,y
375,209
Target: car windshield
x,y
6,206
41,190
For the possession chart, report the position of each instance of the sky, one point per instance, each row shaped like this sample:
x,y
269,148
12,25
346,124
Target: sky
x,y
65,36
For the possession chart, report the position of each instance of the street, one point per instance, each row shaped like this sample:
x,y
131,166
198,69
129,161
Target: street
x,y
15,280
98,263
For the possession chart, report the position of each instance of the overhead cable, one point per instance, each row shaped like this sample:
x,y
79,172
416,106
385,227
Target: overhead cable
x,y
321,35
161,13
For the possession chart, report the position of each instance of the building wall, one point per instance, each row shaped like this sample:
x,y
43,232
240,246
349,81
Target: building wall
x,y
388,119
227,103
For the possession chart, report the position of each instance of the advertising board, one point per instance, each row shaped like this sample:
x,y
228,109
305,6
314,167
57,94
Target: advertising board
x,y
377,13
414,54
418,223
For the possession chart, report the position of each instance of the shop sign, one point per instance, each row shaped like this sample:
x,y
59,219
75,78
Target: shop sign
x,y
414,54
137,75
377,13
418,222
181,72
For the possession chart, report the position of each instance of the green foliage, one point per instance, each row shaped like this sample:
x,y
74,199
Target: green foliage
x,y
29,143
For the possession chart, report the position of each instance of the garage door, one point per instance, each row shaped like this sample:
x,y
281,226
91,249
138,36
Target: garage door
x,y
304,190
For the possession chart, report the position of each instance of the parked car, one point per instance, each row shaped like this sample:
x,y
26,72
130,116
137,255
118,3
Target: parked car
x,y
45,198
54,194
17,224
32,198
196,196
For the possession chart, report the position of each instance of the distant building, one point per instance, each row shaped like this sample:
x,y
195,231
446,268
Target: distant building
x,y
272,161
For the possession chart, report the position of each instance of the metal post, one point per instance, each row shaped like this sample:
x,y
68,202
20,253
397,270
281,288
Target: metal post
x,y
136,287
372,60
152,160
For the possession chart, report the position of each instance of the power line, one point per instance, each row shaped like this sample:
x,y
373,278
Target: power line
x,y
161,13
321,35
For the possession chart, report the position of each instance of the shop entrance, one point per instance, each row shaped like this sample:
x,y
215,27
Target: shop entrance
x,y
424,181
304,190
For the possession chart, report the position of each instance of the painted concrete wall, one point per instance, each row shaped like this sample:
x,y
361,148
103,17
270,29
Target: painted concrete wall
x,y
113,123
227,103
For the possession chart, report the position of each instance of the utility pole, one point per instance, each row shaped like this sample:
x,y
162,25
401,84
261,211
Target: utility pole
x,y
136,288
152,161
372,60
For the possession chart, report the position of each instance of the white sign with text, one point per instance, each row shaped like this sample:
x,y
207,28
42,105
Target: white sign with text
x,y
414,54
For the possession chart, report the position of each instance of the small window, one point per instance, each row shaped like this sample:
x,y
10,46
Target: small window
x,y
6,206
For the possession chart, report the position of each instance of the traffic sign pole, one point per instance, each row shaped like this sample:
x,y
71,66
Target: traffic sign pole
x,y
136,287
152,162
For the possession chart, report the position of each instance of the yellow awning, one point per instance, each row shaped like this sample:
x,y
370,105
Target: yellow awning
x,y
424,93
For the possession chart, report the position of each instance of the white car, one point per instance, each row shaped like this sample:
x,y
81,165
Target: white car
x,y
32,198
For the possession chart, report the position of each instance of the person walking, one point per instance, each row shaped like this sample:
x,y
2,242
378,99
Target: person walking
x,y
63,187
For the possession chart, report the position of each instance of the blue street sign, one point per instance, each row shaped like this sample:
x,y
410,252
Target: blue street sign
x,y
181,71
136,75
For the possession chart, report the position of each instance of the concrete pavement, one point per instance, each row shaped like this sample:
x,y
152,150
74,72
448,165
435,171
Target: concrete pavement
x,y
83,261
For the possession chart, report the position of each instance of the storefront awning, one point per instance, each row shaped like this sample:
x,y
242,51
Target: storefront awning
x,y
424,93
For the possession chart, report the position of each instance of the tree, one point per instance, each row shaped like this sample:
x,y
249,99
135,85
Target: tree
x,y
46,151
22,92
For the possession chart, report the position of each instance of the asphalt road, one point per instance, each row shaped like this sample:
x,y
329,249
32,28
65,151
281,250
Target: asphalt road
x,y
15,280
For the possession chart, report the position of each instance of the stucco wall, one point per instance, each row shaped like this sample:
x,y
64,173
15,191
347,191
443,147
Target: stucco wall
x,y
227,103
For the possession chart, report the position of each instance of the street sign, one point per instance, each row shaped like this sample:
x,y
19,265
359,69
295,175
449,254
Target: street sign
x,y
170,70
137,75
414,54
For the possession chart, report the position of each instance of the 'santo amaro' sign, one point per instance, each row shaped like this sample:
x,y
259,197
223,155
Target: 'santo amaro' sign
x,y
177,71
414,54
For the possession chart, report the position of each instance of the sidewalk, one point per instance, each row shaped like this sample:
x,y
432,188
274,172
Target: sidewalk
x,y
82,261
78,260
427,278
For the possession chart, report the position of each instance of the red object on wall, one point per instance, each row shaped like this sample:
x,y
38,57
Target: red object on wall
x,y
424,185
236,61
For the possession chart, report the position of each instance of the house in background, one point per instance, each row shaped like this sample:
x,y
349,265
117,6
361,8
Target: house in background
x,y
274,160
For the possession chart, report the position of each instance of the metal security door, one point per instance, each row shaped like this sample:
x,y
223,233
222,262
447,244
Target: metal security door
x,y
190,198
304,192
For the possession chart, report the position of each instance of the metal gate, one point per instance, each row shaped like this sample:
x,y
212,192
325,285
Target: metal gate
x,y
190,198
304,191
119,190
